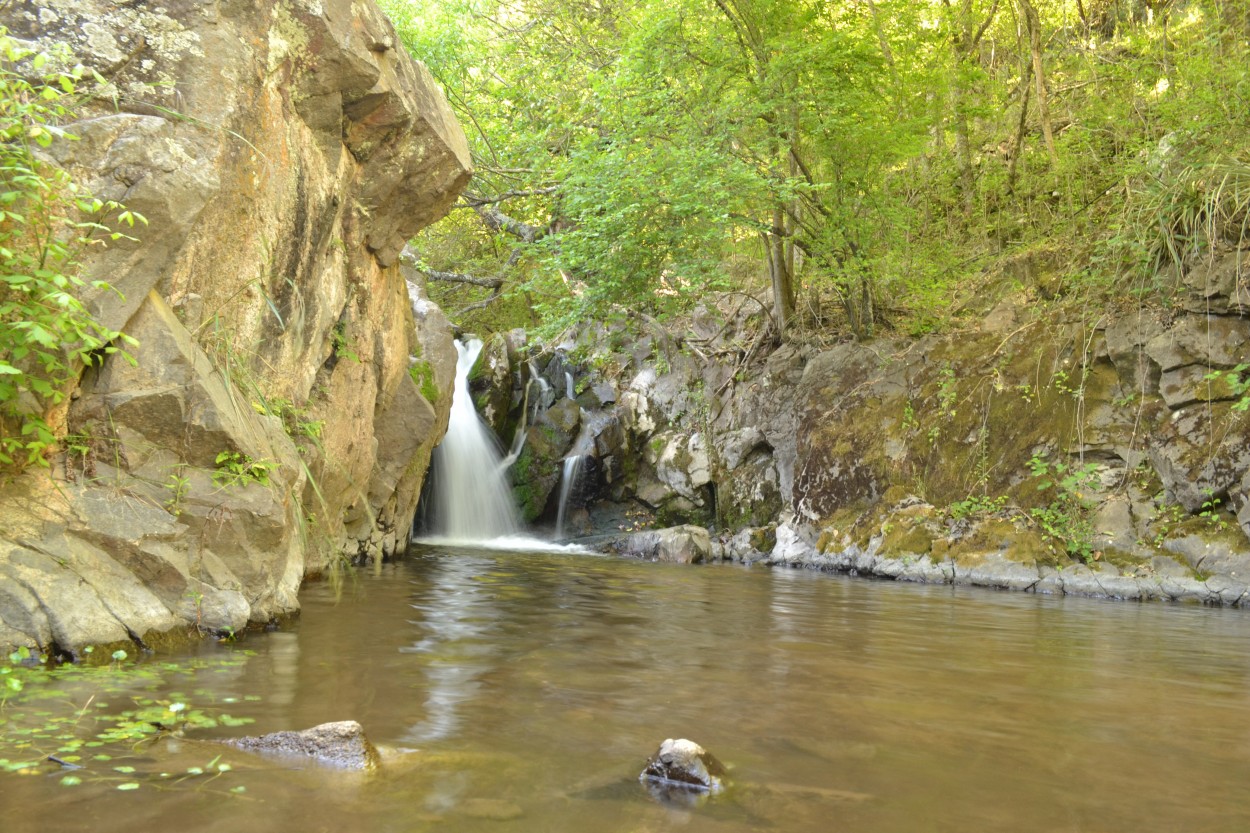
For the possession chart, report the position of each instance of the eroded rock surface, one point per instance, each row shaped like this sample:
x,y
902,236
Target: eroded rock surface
x,y
285,400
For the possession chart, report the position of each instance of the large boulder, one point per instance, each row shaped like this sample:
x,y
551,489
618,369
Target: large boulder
x,y
285,399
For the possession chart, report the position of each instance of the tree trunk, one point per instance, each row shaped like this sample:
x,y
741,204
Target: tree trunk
x,y
1034,25
782,279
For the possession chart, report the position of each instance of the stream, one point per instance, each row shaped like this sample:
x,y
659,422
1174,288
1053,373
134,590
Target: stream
x,y
535,685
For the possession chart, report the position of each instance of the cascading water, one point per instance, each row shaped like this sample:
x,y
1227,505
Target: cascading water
x,y
568,480
568,385
472,502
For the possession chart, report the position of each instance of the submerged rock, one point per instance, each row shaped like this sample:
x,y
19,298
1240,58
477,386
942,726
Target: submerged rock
x,y
684,765
341,745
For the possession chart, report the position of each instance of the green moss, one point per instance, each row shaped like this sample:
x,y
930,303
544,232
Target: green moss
x,y
422,374
1022,545
904,538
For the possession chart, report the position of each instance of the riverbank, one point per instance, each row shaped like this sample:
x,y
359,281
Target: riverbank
x,y
1033,449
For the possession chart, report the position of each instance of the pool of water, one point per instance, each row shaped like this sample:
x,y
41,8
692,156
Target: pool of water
x,y
533,686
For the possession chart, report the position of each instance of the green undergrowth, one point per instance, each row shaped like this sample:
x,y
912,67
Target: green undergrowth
x,y
47,223
94,721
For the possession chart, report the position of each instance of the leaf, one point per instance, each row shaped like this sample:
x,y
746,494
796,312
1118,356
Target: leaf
x,y
128,786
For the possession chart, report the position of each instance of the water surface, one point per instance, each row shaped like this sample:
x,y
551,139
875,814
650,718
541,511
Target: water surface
x,y
534,686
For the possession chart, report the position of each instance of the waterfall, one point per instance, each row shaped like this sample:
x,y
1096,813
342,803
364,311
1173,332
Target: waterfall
x,y
568,479
546,398
568,385
472,502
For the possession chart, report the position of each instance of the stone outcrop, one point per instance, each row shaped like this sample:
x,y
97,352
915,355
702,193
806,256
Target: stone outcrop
x,y
284,399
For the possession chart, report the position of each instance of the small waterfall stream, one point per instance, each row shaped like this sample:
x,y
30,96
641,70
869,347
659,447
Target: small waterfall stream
x,y
472,502
568,480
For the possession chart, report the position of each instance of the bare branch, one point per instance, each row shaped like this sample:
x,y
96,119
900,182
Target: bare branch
x,y
474,201
485,302
460,277
496,220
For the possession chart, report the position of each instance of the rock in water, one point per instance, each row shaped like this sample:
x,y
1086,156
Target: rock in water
x,y
341,745
687,544
685,765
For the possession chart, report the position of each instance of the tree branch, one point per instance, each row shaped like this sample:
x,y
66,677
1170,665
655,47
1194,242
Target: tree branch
x,y
474,201
496,220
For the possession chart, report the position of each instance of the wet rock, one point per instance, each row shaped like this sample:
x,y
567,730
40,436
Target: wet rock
x,y
565,416
684,764
490,382
597,395
341,745
686,544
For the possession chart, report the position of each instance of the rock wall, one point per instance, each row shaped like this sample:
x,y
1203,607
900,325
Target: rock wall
x,y
282,151
1105,455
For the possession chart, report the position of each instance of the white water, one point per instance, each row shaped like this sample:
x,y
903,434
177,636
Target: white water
x,y
472,502
568,385
568,479
546,397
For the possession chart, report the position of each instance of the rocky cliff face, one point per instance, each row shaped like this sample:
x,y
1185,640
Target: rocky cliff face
x,y
285,400
1103,457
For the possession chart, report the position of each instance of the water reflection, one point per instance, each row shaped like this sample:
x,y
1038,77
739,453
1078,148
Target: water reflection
x,y
535,685
455,619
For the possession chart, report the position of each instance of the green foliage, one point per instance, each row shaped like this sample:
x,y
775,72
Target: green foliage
x,y
236,469
661,149
88,719
46,221
295,420
975,505
339,343
1069,517
1237,380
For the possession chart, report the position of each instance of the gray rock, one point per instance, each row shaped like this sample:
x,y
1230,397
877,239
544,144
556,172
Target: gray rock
x,y
340,745
1221,284
994,570
736,446
1113,524
795,544
1210,341
685,764
686,544
490,382
1217,555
